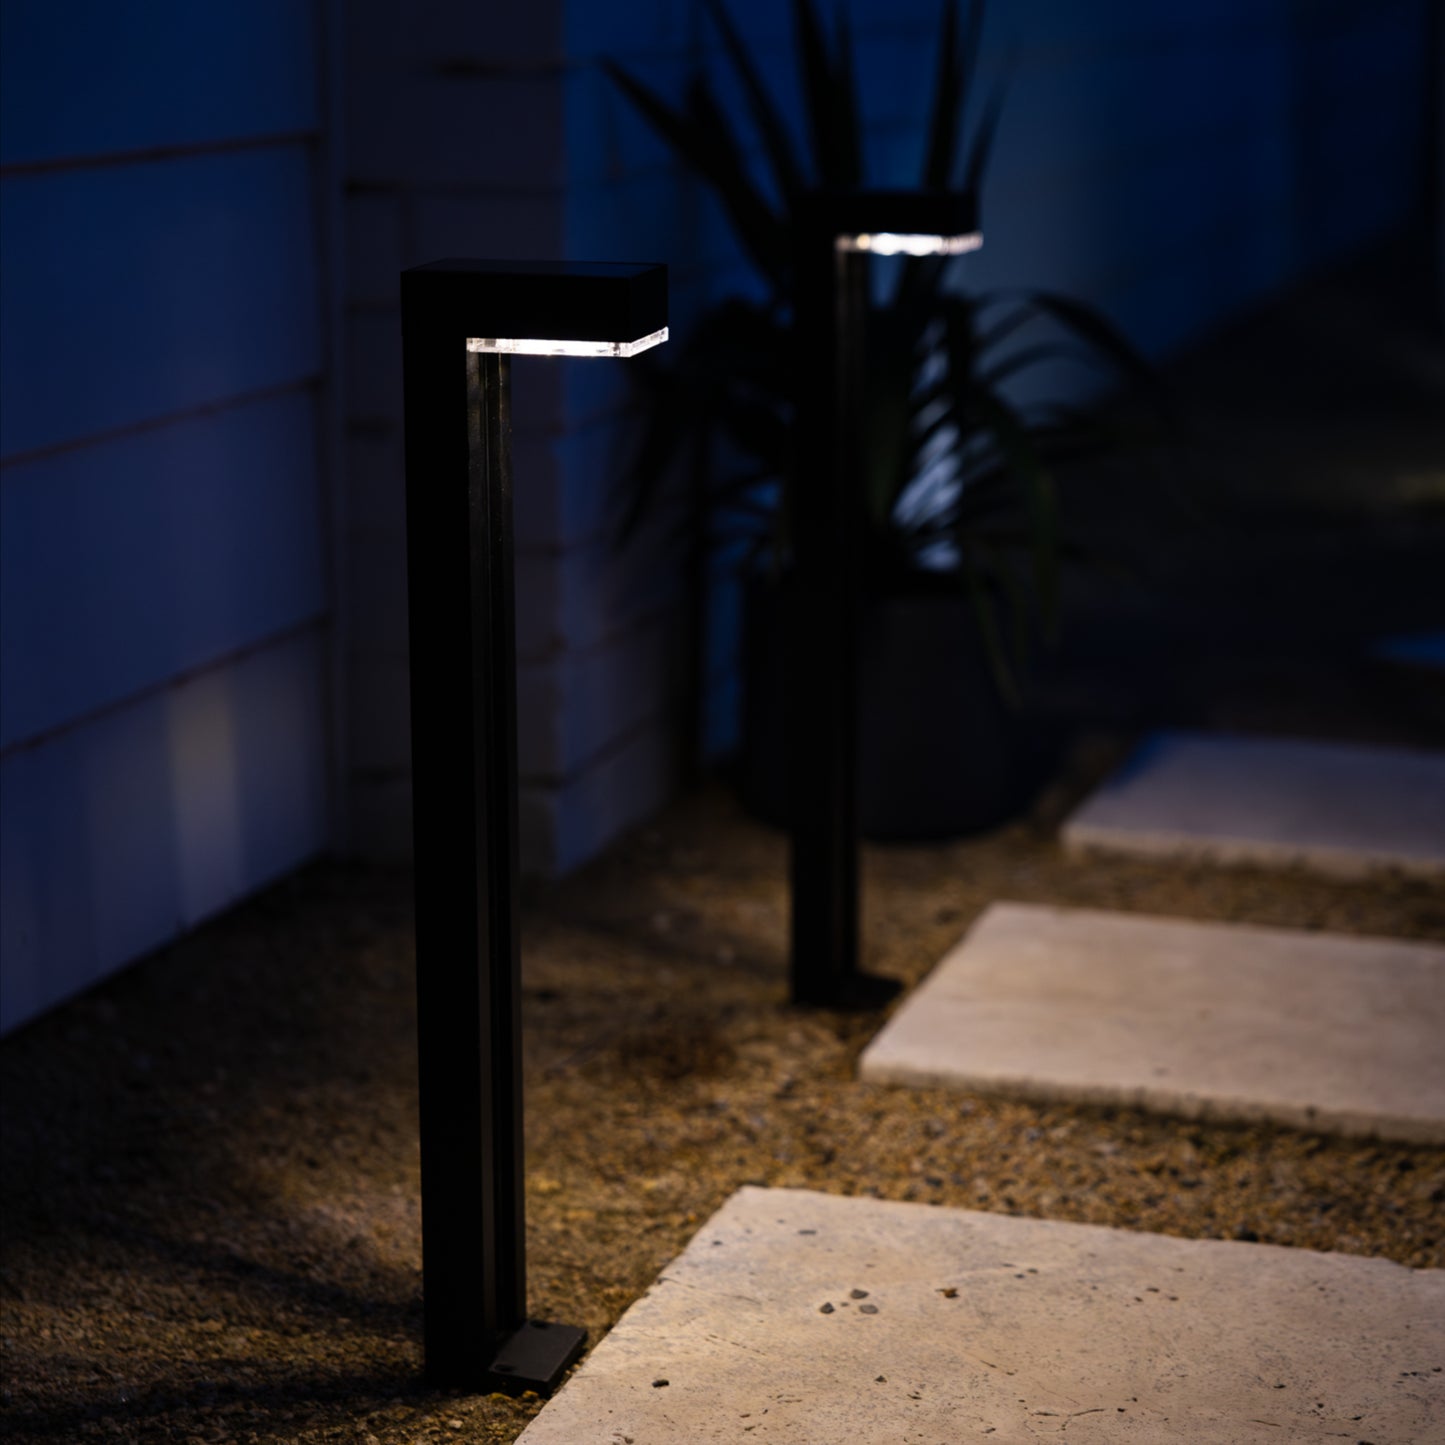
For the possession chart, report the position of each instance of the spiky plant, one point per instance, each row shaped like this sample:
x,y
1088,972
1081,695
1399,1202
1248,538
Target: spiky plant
x,y
960,488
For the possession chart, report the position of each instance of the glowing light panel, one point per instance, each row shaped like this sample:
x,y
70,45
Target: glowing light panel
x,y
894,243
526,346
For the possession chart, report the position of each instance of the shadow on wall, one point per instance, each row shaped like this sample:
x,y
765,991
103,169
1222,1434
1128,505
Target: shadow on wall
x,y
1176,168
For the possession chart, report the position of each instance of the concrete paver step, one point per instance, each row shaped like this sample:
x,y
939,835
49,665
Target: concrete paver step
x,y
811,1319
1236,798
1218,1020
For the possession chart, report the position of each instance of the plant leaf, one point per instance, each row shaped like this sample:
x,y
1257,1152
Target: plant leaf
x,y
733,365
766,116
1029,356
999,331
983,138
987,618
1095,328
943,117
700,137
1019,455
759,228
952,81
846,108
667,120
820,98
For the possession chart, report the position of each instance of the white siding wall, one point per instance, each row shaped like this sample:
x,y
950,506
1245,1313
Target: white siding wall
x,y
457,147
453,150
163,593
165,590
1171,164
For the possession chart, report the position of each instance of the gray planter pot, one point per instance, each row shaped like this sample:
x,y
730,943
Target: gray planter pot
x,y
940,754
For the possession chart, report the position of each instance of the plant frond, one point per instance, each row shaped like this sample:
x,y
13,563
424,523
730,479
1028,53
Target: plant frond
x,y
983,138
1095,329
1028,357
945,113
834,159
986,615
1017,449
846,109
762,232
777,141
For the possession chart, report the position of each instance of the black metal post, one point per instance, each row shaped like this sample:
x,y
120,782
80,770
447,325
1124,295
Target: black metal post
x,y
464,790
830,300
464,753
826,519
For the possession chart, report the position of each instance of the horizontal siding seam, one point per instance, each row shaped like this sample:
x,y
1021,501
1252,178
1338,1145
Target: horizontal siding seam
x,y
632,629
420,191
317,622
627,630
159,423
473,68
658,718
369,425
149,155
402,189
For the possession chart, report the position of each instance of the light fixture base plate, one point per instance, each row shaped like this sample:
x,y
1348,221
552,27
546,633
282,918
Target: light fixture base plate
x,y
535,1357
856,992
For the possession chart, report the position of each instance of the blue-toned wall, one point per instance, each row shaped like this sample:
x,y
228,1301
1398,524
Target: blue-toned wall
x,y
453,148
202,514
1177,163
459,144
1173,164
164,597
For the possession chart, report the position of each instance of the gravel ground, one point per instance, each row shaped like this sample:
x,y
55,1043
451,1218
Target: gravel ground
x,y
210,1177
209,1189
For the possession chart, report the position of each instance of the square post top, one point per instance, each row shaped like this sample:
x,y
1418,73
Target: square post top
x,y
912,222
603,307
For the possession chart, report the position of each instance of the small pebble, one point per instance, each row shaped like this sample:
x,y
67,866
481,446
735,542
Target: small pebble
x,y
857,1294
867,1309
825,1309
658,1384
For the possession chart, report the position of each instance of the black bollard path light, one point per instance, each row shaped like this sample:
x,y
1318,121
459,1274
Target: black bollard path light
x,y
461,322
835,232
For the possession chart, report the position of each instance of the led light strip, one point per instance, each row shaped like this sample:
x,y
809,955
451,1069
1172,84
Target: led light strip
x,y
891,243
527,346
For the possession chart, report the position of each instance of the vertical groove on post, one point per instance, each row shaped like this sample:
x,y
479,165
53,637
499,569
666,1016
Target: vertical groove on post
x,y
827,521
849,279
495,681
459,561
822,707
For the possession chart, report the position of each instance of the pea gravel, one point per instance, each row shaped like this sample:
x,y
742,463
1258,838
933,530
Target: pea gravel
x,y
209,1189
211,1228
